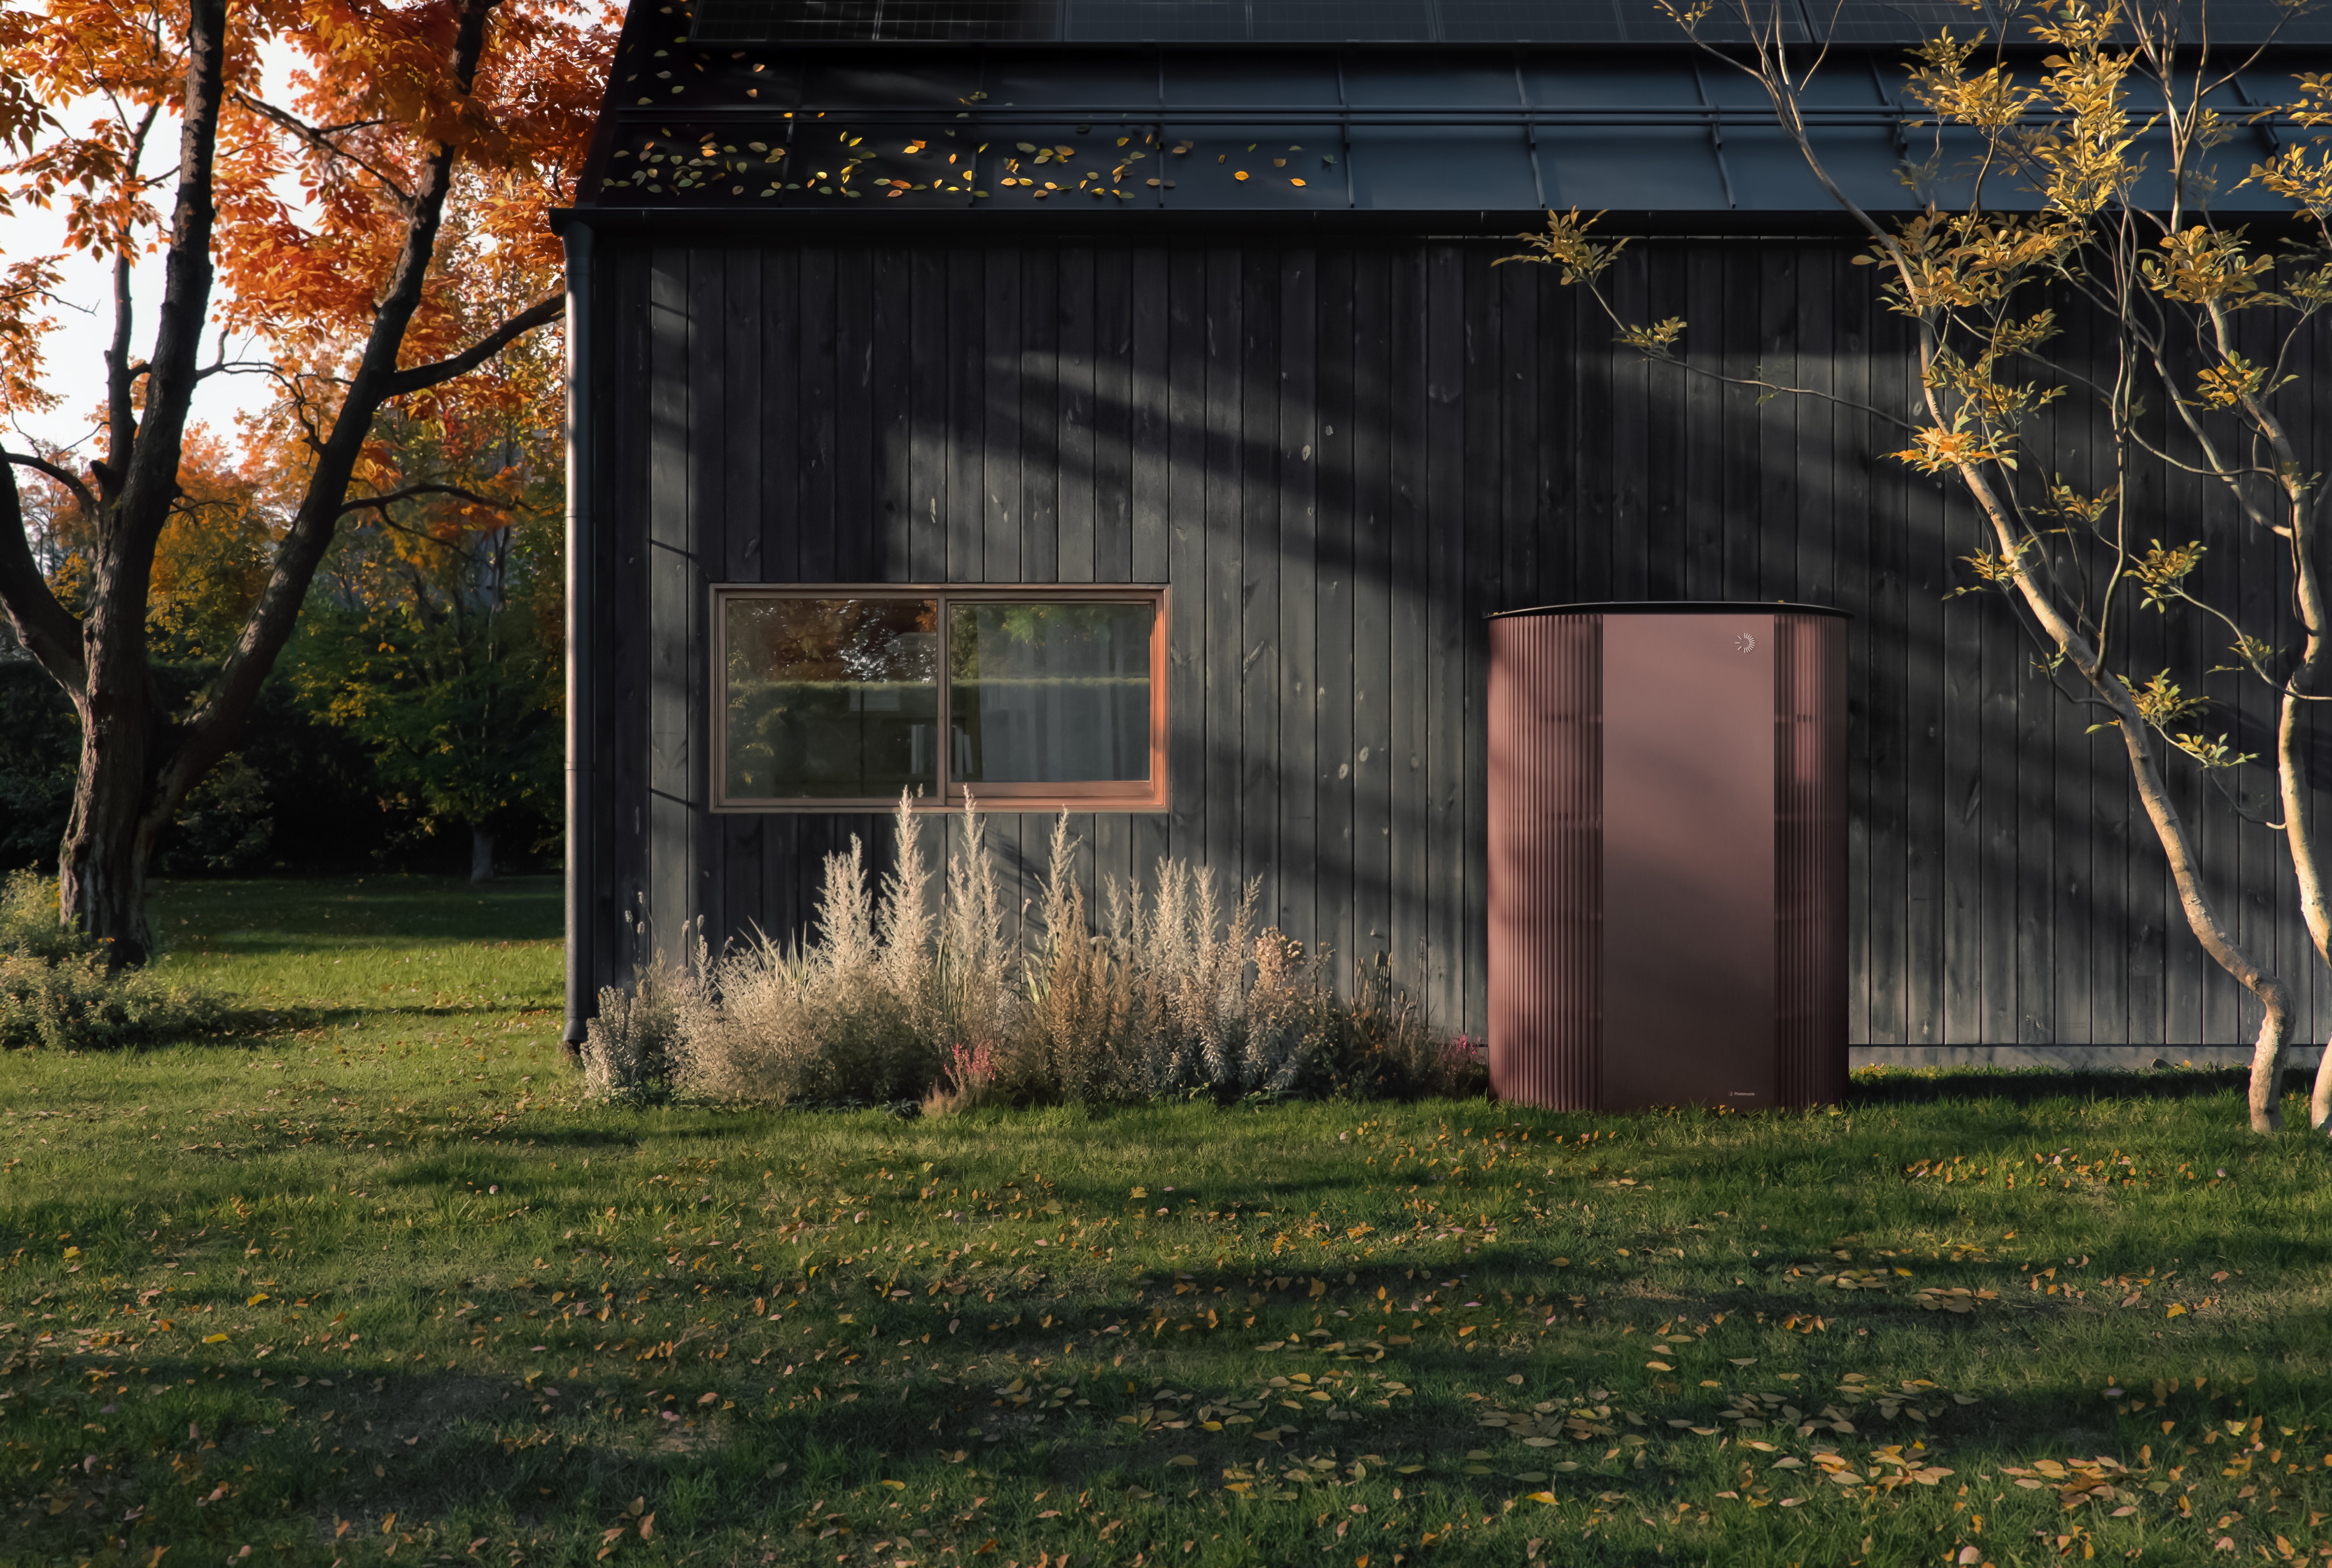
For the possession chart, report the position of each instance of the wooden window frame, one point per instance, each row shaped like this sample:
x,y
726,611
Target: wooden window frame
x,y
1102,795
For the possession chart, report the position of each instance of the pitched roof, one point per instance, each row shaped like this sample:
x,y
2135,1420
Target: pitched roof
x,y
701,119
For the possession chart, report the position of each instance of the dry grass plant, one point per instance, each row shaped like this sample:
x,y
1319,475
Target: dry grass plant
x,y
1175,995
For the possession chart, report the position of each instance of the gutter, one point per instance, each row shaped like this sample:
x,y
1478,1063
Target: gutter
x,y
582,682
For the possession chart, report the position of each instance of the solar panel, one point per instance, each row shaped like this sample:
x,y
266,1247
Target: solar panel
x,y
1544,21
1165,21
869,21
1339,20
1868,22
1897,21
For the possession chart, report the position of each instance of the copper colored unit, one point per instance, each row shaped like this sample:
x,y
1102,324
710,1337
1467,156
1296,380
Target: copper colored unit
x,y
1668,855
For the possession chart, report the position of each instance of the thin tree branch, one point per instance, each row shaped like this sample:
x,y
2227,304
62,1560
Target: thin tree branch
x,y
421,378
64,476
382,502
321,140
48,631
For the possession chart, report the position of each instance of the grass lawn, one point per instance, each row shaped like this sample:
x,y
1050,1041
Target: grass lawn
x,y
373,1281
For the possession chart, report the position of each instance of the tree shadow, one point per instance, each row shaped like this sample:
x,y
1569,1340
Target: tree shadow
x,y
2028,1085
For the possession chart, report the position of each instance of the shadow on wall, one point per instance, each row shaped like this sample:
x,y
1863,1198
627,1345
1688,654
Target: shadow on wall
x,y
1342,459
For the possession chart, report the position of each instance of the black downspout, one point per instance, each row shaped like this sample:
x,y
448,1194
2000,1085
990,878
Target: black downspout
x,y
582,995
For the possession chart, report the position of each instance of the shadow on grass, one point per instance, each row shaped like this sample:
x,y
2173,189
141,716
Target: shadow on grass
x,y
706,1450
287,914
2027,1085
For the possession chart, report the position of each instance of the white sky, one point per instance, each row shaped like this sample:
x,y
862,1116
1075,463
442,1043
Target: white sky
x,y
74,357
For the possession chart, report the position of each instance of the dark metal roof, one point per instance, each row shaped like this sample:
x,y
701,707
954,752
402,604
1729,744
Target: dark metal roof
x,y
1659,134
732,21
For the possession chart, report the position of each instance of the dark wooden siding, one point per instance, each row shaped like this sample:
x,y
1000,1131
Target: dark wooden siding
x,y
1342,455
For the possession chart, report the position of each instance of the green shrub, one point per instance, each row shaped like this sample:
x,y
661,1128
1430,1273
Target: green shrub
x,y
29,923
56,992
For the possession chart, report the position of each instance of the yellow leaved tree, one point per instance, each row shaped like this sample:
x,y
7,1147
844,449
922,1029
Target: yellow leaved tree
x,y
2070,286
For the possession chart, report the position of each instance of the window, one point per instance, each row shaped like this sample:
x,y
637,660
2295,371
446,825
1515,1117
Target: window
x,y
840,697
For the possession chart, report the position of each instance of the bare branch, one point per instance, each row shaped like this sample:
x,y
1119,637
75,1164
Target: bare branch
x,y
48,631
64,476
381,504
421,378
321,140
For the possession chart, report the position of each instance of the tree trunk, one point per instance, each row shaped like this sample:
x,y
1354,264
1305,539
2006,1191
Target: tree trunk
x,y
2320,1103
481,855
102,863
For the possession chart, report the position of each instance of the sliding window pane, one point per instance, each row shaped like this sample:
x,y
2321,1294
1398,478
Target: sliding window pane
x,y
831,698
1045,693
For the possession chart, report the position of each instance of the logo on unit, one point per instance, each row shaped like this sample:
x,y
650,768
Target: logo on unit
x,y
1745,643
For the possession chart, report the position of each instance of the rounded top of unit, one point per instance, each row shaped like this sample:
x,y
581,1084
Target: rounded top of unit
x,y
1678,607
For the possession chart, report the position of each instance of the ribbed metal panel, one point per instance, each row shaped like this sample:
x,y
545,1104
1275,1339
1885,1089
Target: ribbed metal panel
x,y
1547,859
1809,856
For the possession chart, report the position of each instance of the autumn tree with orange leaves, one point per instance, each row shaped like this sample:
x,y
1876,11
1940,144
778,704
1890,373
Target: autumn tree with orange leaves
x,y
428,138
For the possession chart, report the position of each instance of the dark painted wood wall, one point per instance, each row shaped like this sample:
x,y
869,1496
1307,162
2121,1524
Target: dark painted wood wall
x,y
1341,457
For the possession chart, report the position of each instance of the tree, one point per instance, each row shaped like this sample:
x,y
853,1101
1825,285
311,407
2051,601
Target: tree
x,y
429,137
2200,324
435,639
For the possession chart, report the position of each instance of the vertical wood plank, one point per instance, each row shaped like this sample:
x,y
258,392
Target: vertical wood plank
x,y
1040,415
859,543
1706,434
1339,677
680,354
1190,498
1112,405
1150,416
1151,511
1297,854
1379,633
1224,424
630,406
734,845
1409,431
1640,417
1004,427
1446,305
1253,437
922,538
1884,806
779,500
819,560
970,397
1497,348
1075,304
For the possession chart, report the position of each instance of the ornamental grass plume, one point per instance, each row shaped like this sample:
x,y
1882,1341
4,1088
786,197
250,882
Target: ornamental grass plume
x,y
890,999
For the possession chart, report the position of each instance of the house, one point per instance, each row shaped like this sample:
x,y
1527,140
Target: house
x,y
1117,406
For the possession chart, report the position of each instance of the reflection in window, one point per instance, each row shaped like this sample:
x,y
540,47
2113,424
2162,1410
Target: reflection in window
x,y
1049,692
830,698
